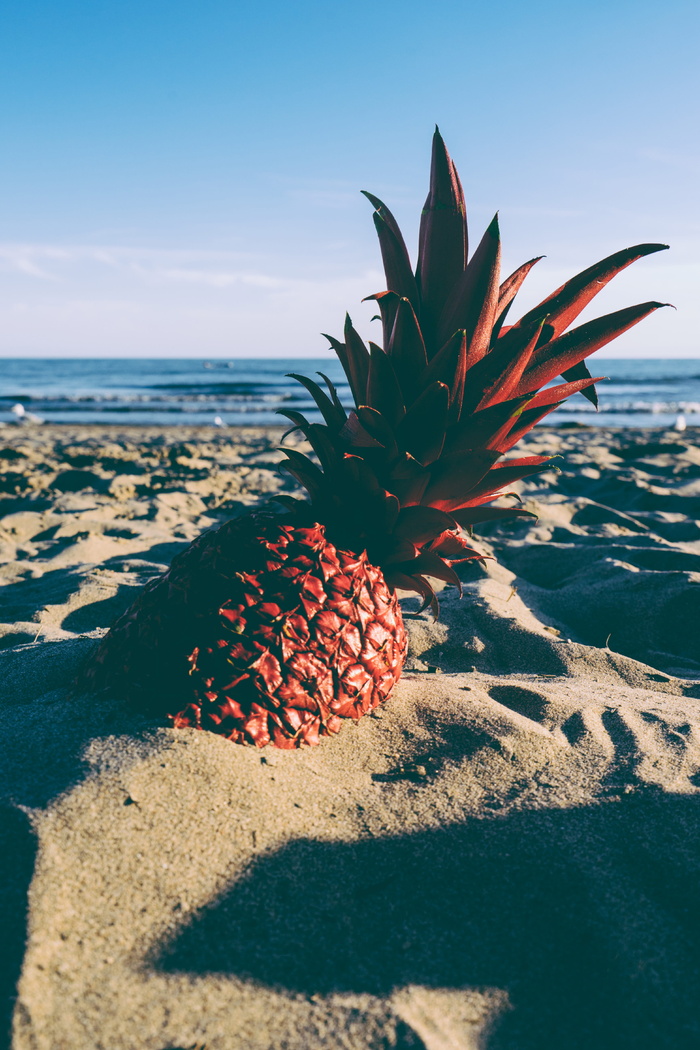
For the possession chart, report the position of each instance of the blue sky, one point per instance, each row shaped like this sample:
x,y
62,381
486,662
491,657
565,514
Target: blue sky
x,y
182,178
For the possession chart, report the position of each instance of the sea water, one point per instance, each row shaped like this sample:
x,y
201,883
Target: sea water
x,y
637,393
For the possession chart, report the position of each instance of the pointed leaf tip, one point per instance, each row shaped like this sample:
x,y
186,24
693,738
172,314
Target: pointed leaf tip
x,y
442,242
395,259
565,304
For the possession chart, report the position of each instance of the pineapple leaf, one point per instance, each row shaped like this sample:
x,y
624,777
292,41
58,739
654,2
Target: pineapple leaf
x,y
332,416
565,304
407,351
459,473
387,303
501,476
356,468
383,390
473,301
455,546
483,428
378,426
408,479
526,422
398,551
334,393
397,264
494,378
449,366
430,564
523,461
422,524
404,582
580,371
507,292
342,354
355,434
566,351
290,502
299,421
322,443
358,360
562,391
306,473
422,430
489,498
379,506
442,252
476,515
386,513
318,437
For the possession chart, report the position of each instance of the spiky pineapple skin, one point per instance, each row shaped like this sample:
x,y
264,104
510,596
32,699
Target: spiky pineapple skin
x,y
261,631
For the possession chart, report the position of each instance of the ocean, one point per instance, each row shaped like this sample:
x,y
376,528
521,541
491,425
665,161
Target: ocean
x,y
638,393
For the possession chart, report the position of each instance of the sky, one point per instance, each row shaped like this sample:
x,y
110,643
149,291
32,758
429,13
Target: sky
x,y
182,179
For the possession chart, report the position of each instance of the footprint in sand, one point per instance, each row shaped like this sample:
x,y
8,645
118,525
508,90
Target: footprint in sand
x,y
637,745
524,702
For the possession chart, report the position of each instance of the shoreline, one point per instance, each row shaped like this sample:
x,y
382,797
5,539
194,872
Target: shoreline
x,y
647,393
30,428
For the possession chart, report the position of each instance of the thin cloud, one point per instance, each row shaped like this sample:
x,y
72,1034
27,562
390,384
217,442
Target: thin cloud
x,y
53,262
209,278
25,259
153,266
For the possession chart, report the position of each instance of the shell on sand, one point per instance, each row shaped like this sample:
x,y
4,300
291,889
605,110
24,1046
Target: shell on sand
x,y
505,856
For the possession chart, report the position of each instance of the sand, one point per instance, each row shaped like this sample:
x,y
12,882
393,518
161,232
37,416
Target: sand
x,y
505,856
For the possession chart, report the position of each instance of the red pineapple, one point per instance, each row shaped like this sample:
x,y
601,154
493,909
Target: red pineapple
x,y
292,636
275,627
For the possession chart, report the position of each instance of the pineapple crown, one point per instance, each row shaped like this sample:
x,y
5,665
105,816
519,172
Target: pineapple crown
x,y
418,459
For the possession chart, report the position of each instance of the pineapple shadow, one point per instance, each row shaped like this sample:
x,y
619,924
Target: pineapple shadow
x,y
102,613
588,918
57,586
21,599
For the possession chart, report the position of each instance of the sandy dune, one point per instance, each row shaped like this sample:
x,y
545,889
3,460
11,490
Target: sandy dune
x,y
505,857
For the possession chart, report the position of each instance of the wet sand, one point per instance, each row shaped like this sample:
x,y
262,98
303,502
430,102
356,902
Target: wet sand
x,y
506,856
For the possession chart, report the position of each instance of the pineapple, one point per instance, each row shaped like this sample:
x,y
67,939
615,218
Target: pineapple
x,y
277,626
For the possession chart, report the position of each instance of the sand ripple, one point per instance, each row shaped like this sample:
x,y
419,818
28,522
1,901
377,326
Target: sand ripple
x,y
506,856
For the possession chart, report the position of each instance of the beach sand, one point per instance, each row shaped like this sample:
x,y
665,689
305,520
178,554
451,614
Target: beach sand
x,y
506,856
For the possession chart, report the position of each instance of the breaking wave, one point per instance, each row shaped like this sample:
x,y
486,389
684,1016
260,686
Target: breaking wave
x,y
637,393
